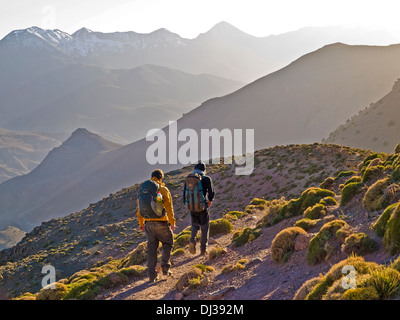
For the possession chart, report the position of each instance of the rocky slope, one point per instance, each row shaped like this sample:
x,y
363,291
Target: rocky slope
x,y
376,127
107,231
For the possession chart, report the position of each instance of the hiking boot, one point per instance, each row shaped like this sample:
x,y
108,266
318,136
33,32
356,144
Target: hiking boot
x,y
154,278
192,248
167,272
203,252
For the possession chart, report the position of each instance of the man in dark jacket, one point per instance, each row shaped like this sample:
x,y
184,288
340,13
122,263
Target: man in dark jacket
x,y
201,220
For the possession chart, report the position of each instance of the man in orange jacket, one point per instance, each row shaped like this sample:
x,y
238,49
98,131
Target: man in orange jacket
x,y
159,230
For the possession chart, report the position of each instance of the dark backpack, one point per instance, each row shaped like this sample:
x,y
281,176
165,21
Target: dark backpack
x,y
150,200
194,195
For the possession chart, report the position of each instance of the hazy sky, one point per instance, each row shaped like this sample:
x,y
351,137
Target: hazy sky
x,y
188,18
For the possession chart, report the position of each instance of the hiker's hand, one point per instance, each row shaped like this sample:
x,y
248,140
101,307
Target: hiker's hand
x,y
209,203
172,227
141,228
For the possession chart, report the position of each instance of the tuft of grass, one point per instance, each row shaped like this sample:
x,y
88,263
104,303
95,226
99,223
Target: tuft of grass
x,y
391,238
306,223
386,282
380,225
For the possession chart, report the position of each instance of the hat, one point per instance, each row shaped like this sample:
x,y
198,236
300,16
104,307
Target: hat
x,y
200,166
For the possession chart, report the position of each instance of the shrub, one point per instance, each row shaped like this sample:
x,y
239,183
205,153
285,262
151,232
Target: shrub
x,y
220,226
185,279
345,174
306,288
52,294
349,191
386,282
308,198
391,238
375,198
246,235
335,273
315,212
178,252
316,249
306,223
283,244
240,265
216,252
233,215
353,179
372,173
362,293
396,173
182,239
380,225
327,183
359,243
328,201
137,256
205,268
273,212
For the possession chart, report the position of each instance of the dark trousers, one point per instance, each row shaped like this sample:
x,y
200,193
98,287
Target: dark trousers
x,y
158,232
200,221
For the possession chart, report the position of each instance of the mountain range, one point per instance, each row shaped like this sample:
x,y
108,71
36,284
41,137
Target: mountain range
x,y
298,104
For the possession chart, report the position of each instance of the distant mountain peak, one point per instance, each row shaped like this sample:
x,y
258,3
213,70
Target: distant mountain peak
x,y
81,32
224,29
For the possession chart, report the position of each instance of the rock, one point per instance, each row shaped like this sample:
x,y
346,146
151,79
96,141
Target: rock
x,y
179,296
302,241
218,295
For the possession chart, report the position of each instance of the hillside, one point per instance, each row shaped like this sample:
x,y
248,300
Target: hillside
x,y
108,229
121,105
376,127
21,152
272,249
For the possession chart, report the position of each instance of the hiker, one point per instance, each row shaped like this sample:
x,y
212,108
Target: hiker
x,y
156,217
198,195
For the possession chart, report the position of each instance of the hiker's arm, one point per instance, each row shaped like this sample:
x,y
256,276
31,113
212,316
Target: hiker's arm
x,y
167,203
140,218
184,193
211,191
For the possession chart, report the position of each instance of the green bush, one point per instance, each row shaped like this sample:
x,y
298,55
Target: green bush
x,y
315,212
349,191
397,149
360,244
220,226
47,293
396,173
391,238
362,293
246,236
380,225
372,173
283,244
306,223
308,198
353,179
386,282
345,174
335,273
328,201
316,249
375,198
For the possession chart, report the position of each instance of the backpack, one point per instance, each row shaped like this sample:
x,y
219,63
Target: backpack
x,y
194,195
150,200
